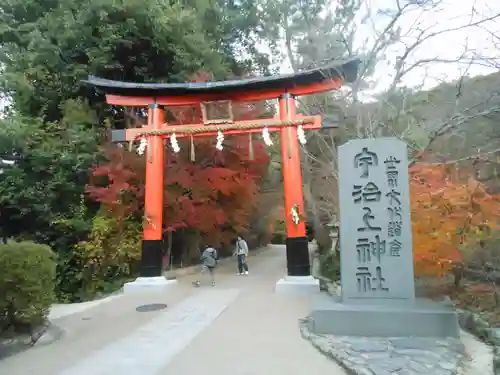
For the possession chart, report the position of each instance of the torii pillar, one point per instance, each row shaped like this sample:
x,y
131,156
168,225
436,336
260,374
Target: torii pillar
x,y
298,279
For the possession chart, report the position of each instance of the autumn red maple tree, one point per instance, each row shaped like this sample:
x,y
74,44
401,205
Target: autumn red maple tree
x,y
118,183
214,194
447,214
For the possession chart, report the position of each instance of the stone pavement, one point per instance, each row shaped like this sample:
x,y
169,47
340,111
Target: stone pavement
x,y
391,356
238,327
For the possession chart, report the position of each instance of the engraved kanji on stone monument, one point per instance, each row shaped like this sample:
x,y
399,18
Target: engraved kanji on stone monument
x,y
368,219
364,160
375,226
368,282
370,249
395,221
368,193
391,171
395,248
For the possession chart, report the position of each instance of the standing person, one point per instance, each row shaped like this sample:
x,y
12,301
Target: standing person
x,y
241,252
209,261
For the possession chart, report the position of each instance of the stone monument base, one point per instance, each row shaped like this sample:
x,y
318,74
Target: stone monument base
x,y
423,318
148,284
297,285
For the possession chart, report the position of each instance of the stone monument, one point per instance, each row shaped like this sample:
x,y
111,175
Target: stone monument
x,y
377,281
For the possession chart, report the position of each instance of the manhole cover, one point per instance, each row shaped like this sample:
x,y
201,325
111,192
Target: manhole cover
x,y
151,307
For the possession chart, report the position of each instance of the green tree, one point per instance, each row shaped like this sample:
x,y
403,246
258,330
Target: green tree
x,y
48,47
51,167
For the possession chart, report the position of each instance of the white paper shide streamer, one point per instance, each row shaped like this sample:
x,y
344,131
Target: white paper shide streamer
x,y
143,144
267,137
301,135
220,140
174,143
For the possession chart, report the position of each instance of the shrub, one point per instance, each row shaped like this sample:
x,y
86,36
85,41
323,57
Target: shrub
x,y
27,280
101,264
483,254
278,238
330,266
322,236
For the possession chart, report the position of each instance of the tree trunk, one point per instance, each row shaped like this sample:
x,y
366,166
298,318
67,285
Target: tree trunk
x,y
458,274
168,252
191,251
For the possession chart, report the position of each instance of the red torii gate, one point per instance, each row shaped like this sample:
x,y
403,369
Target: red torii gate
x,y
285,88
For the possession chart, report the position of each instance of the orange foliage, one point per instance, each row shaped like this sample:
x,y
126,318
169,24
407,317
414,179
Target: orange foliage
x,y
446,214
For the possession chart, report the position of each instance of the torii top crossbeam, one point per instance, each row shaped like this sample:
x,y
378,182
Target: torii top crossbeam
x,y
290,125
308,82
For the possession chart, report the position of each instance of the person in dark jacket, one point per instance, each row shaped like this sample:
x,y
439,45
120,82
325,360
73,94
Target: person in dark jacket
x,y
209,260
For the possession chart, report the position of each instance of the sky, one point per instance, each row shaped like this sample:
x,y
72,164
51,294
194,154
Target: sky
x,y
450,45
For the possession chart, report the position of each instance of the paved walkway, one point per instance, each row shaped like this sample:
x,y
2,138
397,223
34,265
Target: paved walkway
x,y
239,327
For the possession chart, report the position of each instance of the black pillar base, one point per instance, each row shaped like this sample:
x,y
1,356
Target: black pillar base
x,y
152,258
297,256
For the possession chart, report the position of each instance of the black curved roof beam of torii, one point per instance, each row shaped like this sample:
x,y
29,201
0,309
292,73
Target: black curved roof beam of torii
x,y
322,79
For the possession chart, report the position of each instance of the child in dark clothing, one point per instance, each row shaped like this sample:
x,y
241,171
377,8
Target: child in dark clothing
x,y
209,261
